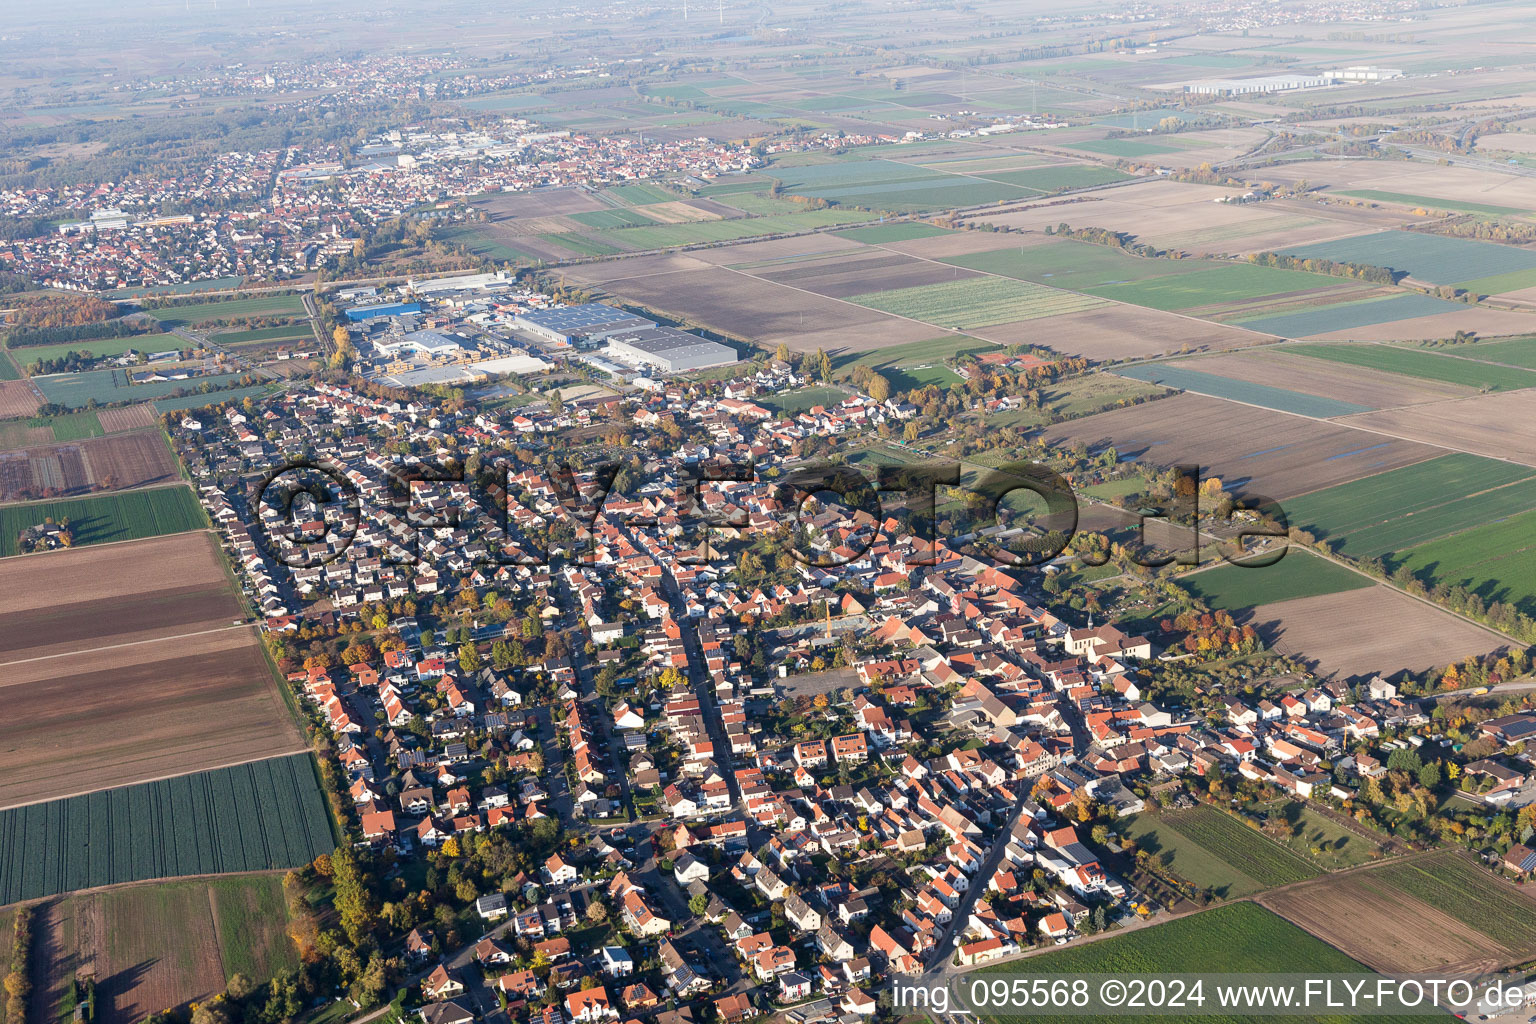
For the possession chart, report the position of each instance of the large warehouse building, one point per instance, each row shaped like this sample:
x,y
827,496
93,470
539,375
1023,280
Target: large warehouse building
x,y
669,350
583,325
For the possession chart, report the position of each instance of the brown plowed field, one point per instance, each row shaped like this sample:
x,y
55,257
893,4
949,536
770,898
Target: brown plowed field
x,y
1254,450
1366,631
1439,912
119,664
17,398
1501,426
80,467
129,417
1120,331
858,274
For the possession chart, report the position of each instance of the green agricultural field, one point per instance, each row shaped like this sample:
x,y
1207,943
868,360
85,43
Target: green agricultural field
x,y
1430,202
933,350
1236,938
99,347
1187,859
923,196
1060,177
1080,266
228,309
900,232
1469,894
664,235
190,288
626,218
642,194
252,917
293,332
125,515
1298,574
1124,147
9,370
1396,510
1496,561
1244,847
582,245
265,815
1328,317
106,387
1212,285
1514,351
855,174
1498,284
977,302
761,204
1422,363
1437,259
1283,399
73,426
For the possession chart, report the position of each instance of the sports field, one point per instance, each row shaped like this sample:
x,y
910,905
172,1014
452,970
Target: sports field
x,y
1436,259
1248,392
1422,363
254,817
977,302
127,515
1298,574
1393,511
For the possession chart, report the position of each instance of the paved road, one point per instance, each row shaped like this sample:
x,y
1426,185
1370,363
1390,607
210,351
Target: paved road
x,y
938,960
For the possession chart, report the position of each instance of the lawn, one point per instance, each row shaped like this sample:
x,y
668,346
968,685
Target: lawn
x,y
126,515
1237,938
914,352
1337,847
252,916
99,347
1212,285
976,302
1395,510
899,232
261,305
1298,574
1437,259
1422,363
1248,392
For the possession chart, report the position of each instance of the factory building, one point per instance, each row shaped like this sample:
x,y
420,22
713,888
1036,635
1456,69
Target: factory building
x,y
669,350
432,344
583,325
445,285
360,313
1364,74
1246,86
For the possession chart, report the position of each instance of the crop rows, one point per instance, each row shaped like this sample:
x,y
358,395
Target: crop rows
x,y
1262,860
253,817
128,515
977,302
1454,887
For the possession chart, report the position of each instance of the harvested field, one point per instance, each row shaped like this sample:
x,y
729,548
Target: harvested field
x,y
129,417
743,306
96,692
1250,449
1383,918
749,252
1117,331
1486,322
1279,367
1359,633
956,243
859,273
98,464
1499,426
1420,178
17,398
539,203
